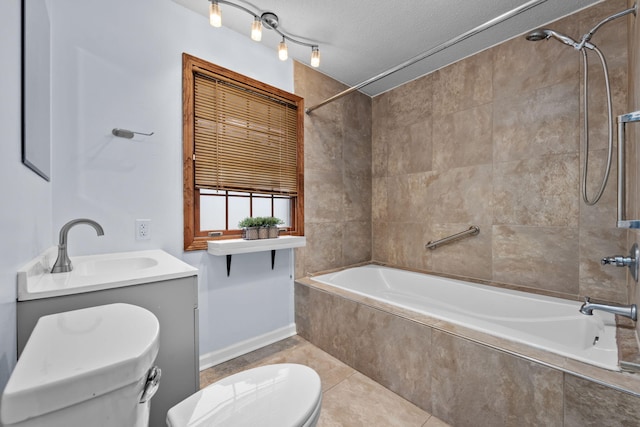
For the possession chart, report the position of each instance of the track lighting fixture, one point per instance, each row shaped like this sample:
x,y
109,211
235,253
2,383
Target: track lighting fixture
x,y
265,19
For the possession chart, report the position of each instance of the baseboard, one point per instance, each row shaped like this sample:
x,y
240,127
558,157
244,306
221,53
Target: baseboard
x,y
216,357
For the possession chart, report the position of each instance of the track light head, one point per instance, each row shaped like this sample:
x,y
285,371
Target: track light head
x,y
315,56
215,16
283,53
256,29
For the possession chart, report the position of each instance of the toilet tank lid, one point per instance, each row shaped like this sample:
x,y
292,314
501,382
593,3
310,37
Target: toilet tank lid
x,y
77,355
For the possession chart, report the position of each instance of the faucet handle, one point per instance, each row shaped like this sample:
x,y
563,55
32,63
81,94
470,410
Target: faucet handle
x,y
632,261
617,260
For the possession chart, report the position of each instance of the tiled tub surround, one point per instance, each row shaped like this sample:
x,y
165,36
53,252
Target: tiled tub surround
x,y
494,140
462,376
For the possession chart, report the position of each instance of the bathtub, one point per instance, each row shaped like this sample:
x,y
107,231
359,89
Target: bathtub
x,y
547,323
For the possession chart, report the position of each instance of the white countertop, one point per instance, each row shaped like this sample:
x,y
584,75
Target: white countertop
x,y
98,272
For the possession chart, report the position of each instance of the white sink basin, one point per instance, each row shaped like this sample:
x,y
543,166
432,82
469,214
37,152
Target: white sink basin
x,y
97,272
111,266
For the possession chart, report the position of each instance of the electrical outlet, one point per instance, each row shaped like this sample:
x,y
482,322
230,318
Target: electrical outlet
x,y
143,229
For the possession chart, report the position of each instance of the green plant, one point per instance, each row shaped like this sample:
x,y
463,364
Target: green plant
x,y
271,221
249,222
260,221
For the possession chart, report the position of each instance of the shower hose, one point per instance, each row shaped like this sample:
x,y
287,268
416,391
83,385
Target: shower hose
x,y
586,127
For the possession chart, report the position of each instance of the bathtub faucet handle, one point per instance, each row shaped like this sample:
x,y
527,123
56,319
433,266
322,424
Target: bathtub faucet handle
x,y
631,261
618,260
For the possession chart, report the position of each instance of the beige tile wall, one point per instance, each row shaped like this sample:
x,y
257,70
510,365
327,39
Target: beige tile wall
x,y
337,175
494,140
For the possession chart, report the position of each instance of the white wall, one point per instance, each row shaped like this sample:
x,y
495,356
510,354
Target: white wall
x,y
119,65
25,207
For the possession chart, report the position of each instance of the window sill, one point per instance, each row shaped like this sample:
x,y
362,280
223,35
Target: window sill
x,y
241,246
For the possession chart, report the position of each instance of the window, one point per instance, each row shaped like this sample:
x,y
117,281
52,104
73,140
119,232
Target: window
x,y
243,153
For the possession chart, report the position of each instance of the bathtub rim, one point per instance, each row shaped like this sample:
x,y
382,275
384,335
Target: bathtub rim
x,y
619,380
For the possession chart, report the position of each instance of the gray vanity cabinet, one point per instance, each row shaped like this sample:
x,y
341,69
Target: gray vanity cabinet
x,y
175,304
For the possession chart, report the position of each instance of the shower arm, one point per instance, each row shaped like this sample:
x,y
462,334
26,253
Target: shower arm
x,y
585,39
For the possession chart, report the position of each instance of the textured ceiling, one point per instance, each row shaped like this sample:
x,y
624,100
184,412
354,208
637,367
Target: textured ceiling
x,y
360,39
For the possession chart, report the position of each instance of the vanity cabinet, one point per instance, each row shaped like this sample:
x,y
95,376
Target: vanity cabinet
x,y
175,304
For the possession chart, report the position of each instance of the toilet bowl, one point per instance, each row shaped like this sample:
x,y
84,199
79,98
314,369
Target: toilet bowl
x,y
281,395
85,367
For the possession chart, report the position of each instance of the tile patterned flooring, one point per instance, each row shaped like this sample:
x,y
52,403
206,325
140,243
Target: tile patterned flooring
x,y
349,399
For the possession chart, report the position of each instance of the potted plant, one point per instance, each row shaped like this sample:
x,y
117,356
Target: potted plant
x,y
260,227
250,227
272,225
263,231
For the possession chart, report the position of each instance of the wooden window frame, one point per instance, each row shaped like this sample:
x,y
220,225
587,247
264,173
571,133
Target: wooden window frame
x,y
195,239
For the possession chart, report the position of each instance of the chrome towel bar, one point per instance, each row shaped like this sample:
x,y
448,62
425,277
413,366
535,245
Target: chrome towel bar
x,y
126,133
472,231
622,187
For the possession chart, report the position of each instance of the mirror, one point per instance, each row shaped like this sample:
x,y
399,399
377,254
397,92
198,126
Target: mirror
x,y
36,105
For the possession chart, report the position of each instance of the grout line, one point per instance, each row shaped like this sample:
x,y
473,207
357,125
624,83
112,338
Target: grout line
x,y
341,381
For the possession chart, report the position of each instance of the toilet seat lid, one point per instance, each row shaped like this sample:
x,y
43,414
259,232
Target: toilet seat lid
x,y
77,355
281,395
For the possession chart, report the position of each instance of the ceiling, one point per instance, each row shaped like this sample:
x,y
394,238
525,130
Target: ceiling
x,y
360,39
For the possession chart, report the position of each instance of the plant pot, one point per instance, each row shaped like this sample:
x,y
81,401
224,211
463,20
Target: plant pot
x,y
274,231
263,232
250,233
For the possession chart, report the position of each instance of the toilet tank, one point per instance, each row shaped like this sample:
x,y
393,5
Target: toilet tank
x,y
84,367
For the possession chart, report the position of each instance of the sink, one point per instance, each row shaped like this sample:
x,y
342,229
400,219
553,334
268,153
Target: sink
x,y
98,272
111,266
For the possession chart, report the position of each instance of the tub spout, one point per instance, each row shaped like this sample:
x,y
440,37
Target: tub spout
x,y
63,263
630,311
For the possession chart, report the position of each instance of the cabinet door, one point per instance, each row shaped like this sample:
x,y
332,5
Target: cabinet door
x,y
175,304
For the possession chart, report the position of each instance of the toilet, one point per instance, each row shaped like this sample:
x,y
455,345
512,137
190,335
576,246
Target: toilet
x,y
94,366
281,395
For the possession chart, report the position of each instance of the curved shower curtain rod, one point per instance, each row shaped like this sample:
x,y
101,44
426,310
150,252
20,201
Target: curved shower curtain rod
x,y
497,20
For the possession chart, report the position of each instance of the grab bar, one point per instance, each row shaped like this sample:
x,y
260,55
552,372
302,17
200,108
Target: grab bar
x,y
622,189
472,231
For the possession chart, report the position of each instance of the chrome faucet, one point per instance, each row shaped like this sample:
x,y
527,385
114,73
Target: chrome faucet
x,y
630,311
63,263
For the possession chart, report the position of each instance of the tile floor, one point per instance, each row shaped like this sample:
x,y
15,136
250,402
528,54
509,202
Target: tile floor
x,y
349,398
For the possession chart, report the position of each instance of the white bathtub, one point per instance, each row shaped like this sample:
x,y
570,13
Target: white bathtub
x,y
548,323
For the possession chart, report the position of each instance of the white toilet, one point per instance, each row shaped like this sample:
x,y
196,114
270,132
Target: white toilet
x,y
85,367
282,395
95,367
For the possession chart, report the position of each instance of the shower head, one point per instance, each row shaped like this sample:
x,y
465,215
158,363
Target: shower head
x,y
545,33
537,35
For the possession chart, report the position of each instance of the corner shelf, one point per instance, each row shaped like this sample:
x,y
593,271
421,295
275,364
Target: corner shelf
x,y
241,246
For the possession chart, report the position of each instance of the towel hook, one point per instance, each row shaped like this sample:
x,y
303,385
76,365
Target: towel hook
x,y
125,133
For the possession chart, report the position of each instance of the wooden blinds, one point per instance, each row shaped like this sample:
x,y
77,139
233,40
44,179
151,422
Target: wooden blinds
x,y
244,140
